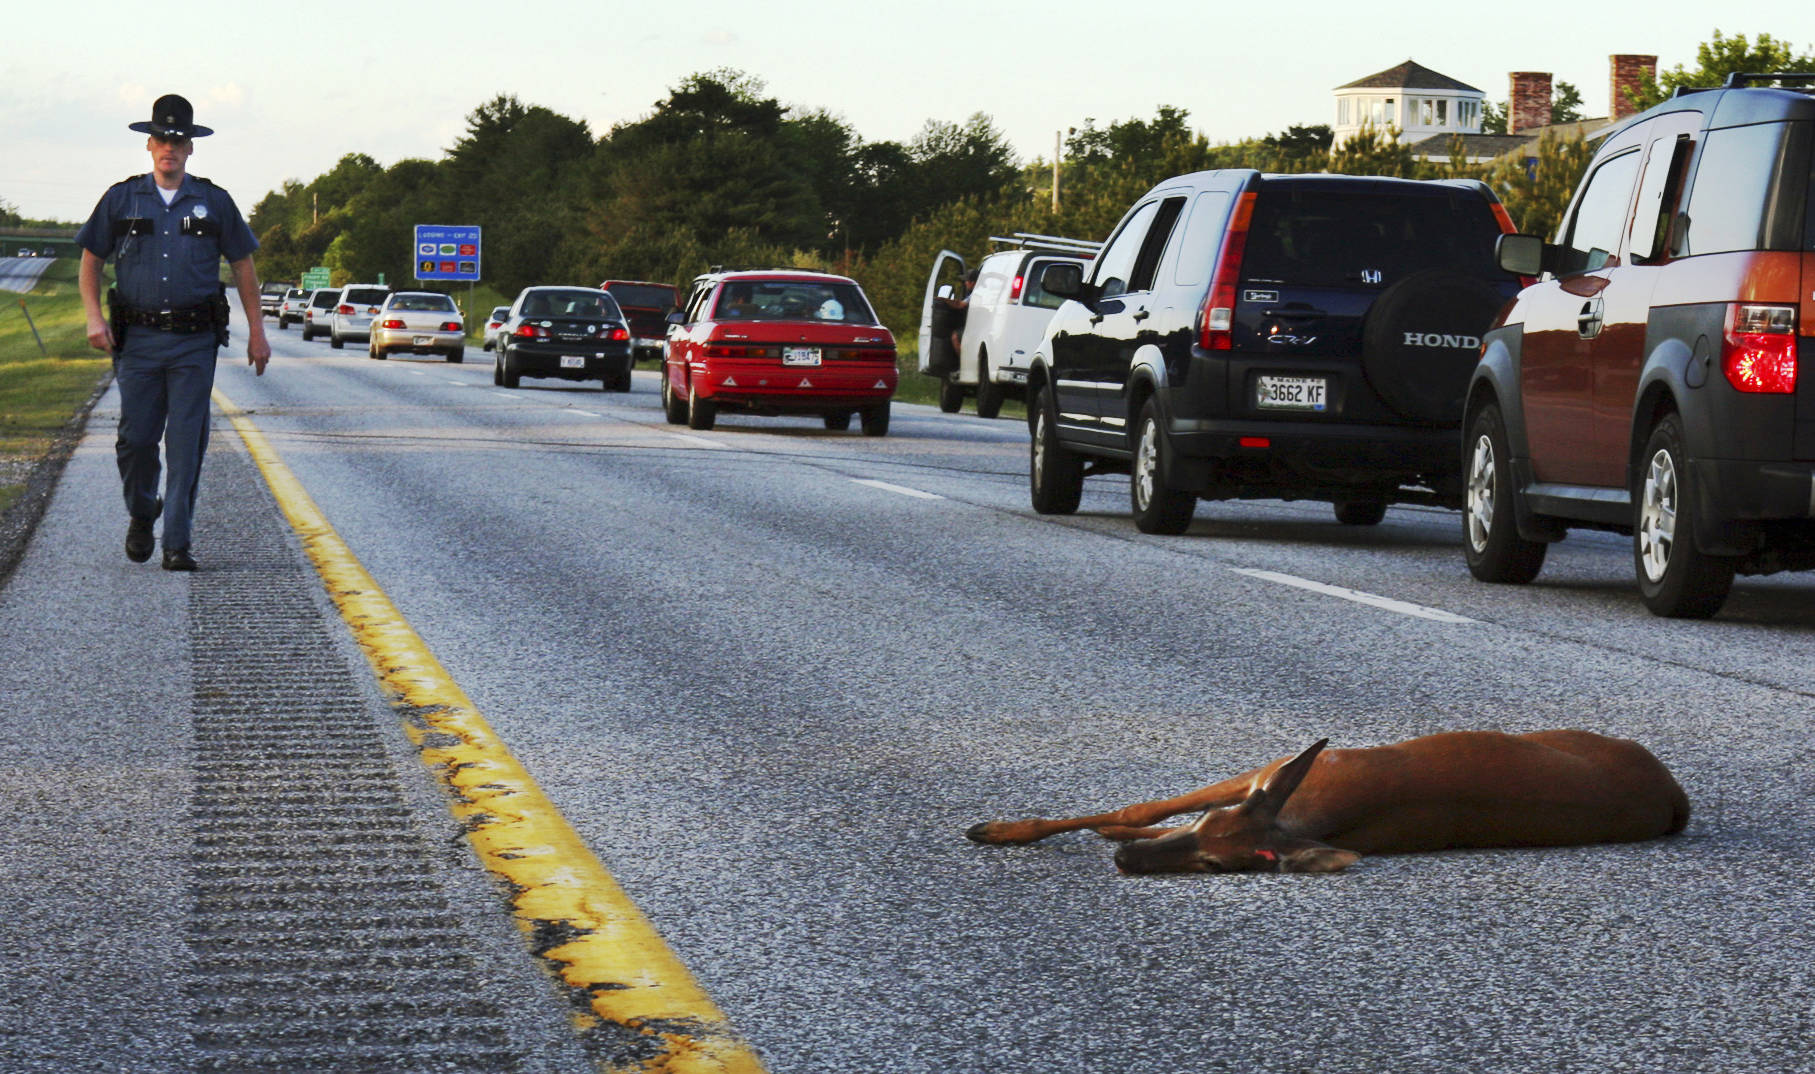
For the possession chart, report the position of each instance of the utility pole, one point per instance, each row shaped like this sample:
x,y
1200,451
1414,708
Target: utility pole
x,y
1056,143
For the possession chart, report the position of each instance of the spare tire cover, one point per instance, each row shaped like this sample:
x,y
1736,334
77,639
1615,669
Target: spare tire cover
x,y
1421,340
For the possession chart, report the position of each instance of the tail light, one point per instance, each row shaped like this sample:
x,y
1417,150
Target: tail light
x,y
344,310
1216,321
392,322
448,326
1759,352
530,331
1014,291
737,350
616,333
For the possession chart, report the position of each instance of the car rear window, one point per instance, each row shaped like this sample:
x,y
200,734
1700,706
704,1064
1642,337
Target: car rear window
x,y
369,296
1334,238
642,295
423,303
324,299
792,300
1747,193
576,303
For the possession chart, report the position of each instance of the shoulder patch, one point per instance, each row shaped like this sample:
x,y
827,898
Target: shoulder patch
x,y
204,182
131,179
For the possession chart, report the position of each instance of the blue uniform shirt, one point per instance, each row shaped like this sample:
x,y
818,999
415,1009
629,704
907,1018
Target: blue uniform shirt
x,y
166,257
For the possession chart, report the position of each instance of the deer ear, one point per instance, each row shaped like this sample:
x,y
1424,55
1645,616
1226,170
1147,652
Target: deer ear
x,y
1317,859
1279,787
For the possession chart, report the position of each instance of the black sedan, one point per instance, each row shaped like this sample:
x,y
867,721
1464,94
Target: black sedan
x,y
574,333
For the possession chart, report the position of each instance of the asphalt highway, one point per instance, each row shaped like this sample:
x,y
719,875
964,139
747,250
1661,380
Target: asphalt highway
x,y
21,273
770,673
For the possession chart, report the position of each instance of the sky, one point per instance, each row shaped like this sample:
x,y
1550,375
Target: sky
x,y
291,89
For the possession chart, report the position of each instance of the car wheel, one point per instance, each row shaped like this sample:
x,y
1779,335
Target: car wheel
x,y
674,407
1490,537
951,396
457,355
989,393
307,334
336,342
513,377
838,420
874,419
1677,580
1360,512
1157,508
702,414
282,324
1055,476
498,370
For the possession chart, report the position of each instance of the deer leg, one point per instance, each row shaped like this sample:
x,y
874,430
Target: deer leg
x,y
1135,818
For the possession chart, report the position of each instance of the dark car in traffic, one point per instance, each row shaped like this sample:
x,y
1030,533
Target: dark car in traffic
x,y
1250,336
569,333
646,307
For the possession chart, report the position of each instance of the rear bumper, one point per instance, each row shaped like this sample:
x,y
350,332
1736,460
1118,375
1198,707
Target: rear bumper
x,y
1733,497
770,386
1311,458
403,339
595,360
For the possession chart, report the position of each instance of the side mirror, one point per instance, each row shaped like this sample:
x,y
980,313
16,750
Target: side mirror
x,y
676,317
1522,255
1063,279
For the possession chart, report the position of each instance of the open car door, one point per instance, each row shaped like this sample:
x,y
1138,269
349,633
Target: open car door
x,y
937,358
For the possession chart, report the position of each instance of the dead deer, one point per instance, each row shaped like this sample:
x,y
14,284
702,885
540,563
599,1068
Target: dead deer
x,y
1320,811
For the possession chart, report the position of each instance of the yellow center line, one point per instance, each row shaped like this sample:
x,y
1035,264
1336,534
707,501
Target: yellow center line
x,y
603,946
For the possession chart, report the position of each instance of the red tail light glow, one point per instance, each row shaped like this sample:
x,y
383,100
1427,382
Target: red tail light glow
x,y
392,322
1758,354
736,350
617,333
1014,292
344,310
530,331
450,326
1216,321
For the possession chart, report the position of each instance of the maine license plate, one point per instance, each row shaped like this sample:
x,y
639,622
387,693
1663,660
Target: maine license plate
x,y
800,356
423,341
1290,393
573,361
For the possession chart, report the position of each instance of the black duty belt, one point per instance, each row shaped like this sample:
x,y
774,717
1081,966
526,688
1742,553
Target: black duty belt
x,y
193,319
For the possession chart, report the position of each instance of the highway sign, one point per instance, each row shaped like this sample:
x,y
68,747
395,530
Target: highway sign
x,y
319,276
447,252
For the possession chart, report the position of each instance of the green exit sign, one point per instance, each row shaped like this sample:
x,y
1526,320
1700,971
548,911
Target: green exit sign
x,y
316,277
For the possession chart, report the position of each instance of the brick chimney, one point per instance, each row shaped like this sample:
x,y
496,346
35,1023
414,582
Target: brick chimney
x,y
1528,108
1628,72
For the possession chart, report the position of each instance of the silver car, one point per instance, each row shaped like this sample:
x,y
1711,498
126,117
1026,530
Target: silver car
x,y
359,303
290,310
318,313
420,322
494,325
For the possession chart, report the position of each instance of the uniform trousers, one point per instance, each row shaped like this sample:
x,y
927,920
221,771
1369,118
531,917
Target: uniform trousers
x,y
166,380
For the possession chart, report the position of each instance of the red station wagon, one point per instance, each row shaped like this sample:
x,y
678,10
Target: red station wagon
x,y
778,342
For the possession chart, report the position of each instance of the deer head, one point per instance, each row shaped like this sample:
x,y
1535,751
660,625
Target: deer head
x,y
1241,838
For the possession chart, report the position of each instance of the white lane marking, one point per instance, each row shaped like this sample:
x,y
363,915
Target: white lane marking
x,y
461,383
589,413
1356,595
696,441
417,373
507,395
901,489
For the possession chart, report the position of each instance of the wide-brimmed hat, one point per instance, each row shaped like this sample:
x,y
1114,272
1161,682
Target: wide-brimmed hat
x,y
172,117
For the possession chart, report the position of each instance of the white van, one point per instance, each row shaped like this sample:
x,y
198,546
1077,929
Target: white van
x,y
1003,324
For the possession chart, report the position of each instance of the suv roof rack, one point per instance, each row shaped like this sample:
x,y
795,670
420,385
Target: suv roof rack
x,y
1744,79
1029,241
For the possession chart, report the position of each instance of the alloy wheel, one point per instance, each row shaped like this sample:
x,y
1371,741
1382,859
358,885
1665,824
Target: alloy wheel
x,y
1657,516
1482,493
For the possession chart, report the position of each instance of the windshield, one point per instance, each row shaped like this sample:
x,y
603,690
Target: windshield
x,y
1333,237
423,303
642,295
594,304
792,300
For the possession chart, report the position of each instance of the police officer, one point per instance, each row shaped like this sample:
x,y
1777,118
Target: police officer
x,y
166,232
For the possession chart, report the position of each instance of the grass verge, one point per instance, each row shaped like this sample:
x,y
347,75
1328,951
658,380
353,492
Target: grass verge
x,y
42,389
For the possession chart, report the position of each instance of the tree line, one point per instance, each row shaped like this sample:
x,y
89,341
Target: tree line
x,y
720,173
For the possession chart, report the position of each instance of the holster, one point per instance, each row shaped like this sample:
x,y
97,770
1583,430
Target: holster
x,y
223,314
116,319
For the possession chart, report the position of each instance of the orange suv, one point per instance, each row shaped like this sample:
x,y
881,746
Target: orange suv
x,y
1648,382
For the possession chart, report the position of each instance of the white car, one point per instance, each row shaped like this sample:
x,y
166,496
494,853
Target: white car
x,y
1004,321
359,303
318,311
419,322
290,310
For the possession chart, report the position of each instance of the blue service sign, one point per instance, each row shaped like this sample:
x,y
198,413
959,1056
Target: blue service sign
x,y
447,252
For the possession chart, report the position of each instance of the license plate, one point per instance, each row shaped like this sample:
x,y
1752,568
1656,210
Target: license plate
x,y
800,356
1290,393
573,361
423,341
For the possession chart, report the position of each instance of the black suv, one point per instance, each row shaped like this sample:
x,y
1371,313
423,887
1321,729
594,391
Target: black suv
x,y
1647,383
1248,336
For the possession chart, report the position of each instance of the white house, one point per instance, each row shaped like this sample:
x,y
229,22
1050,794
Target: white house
x,y
1416,100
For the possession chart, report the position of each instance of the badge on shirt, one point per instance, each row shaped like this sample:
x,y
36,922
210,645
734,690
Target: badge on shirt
x,y
201,212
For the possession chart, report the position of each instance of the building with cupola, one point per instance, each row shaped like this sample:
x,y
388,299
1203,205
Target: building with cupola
x,y
1411,98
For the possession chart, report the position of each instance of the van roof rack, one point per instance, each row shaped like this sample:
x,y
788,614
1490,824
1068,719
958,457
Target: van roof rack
x,y
1030,241
1743,79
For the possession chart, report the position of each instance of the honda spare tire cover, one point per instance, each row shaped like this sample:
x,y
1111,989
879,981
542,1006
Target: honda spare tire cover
x,y
1421,340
